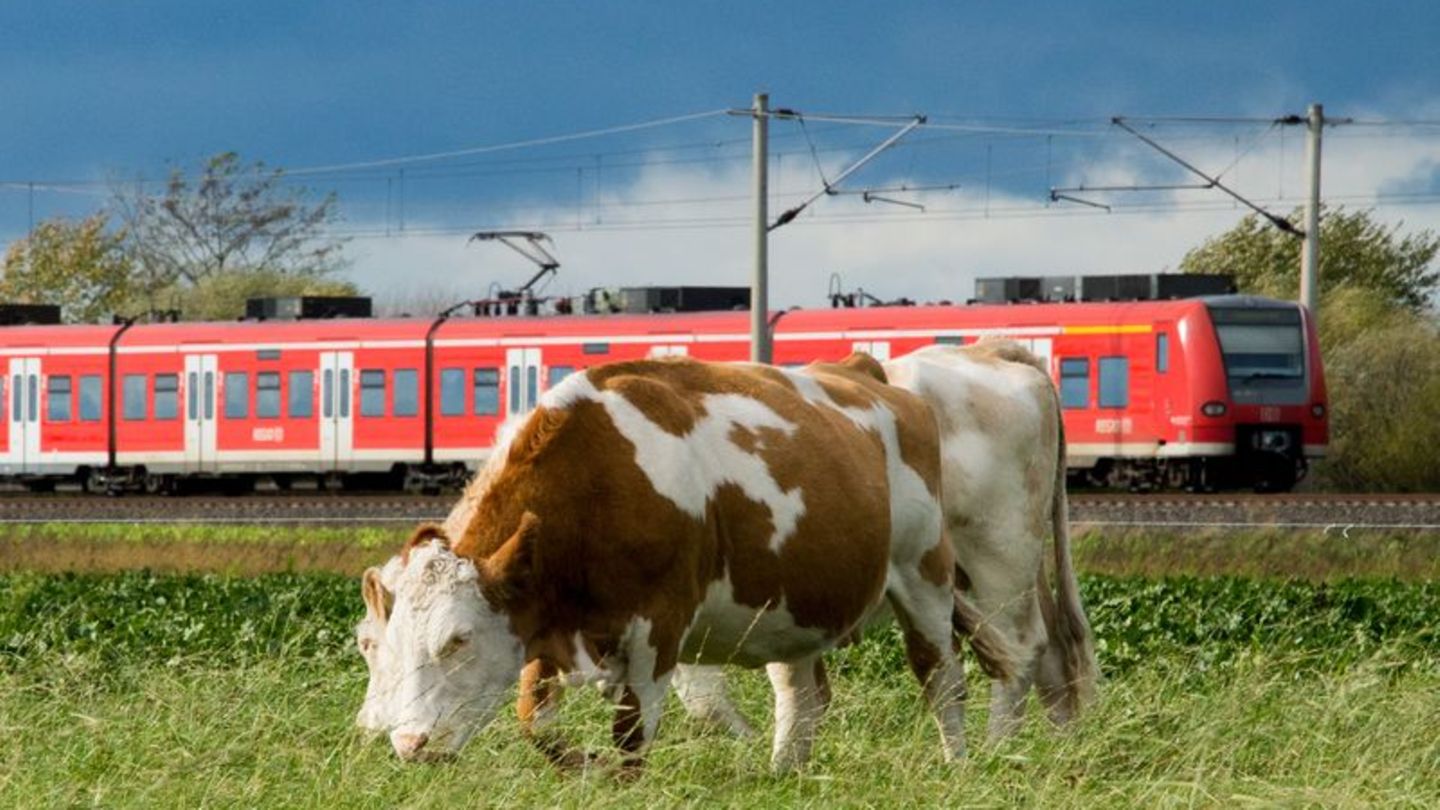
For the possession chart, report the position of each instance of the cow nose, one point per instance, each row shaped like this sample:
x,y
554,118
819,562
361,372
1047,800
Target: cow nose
x,y
409,745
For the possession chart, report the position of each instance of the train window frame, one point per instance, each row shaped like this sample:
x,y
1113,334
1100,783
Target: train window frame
x,y
487,379
267,395
1073,397
135,402
166,407
59,404
372,392
92,391
237,395
555,375
1162,352
300,399
405,392
452,391
1113,381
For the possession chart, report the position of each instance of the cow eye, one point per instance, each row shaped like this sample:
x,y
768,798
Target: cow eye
x,y
456,642
366,644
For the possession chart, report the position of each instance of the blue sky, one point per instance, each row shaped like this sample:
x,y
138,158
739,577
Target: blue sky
x,y
92,92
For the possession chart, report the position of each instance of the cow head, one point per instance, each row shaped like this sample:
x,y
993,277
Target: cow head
x,y
450,643
377,586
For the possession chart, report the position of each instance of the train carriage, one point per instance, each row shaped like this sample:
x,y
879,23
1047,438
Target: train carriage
x,y
1200,392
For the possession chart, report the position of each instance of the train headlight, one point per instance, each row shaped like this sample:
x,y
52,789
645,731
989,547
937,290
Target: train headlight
x,y
1318,410
1213,409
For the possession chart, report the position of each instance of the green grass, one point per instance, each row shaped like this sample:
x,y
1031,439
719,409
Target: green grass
x,y
243,550
1268,553
190,691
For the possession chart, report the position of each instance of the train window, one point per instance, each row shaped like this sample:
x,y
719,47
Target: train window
x,y
1114,382
15,412
267,354
167,396
267,395
950,340
133,397
513,381
57,398
91,391
487,391
595,348
192,396
406,394
558,373
302,394
1162,352
237,395
1075,382
532,381
452,392
327,395
372,392
345,392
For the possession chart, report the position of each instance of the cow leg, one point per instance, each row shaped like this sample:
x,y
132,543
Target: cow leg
x,y
702,692
1053,686
1025,623
539,703
924,610
800,702
640,693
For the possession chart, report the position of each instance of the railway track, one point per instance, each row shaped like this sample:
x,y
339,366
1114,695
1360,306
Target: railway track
x,y
1099,510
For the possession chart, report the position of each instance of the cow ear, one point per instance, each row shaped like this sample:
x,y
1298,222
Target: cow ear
x,y
423,534
506,574
377,605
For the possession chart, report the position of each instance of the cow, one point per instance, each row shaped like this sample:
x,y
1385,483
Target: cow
x,y
654,512
1003,456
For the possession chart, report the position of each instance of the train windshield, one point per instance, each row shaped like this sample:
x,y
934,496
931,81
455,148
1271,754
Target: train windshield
x,y
1261,343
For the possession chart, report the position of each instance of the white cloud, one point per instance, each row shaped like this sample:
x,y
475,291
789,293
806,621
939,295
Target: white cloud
x,y
891,250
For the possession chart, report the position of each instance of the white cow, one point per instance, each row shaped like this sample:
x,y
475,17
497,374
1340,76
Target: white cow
x,y
1003,455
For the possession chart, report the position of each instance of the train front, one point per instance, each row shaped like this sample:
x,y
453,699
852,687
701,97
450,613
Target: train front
x,y
1273,393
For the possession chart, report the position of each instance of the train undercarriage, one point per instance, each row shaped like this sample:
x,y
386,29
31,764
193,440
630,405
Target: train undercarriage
x,y
1268,458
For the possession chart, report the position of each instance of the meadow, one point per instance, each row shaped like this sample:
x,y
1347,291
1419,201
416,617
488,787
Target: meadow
x,y
238,687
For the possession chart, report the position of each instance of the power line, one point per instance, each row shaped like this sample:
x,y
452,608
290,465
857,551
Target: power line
x,y
501,147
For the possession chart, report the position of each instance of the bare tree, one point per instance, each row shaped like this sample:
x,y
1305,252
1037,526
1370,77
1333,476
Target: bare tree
x,y
230,219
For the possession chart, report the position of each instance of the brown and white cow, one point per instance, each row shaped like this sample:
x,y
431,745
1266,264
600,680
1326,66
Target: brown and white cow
x,y
654,512
1003,455
1004,491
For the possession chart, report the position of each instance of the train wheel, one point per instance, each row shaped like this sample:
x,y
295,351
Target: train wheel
x,y
157,484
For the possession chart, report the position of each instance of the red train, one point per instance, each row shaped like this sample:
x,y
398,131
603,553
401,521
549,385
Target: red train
x,y
1205,392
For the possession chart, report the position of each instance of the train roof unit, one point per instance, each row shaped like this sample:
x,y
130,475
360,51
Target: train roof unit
x,y
1070,288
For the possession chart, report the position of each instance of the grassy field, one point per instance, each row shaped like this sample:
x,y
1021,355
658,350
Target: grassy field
x,y
158,689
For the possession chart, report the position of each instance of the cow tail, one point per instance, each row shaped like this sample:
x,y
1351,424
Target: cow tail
x,y
997,656
1072,628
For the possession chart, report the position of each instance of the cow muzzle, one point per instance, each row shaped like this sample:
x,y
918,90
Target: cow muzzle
x,y
416,748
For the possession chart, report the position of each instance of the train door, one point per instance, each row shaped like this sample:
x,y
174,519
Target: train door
x,y
522,382
200,413
23,451
337,416
878,349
